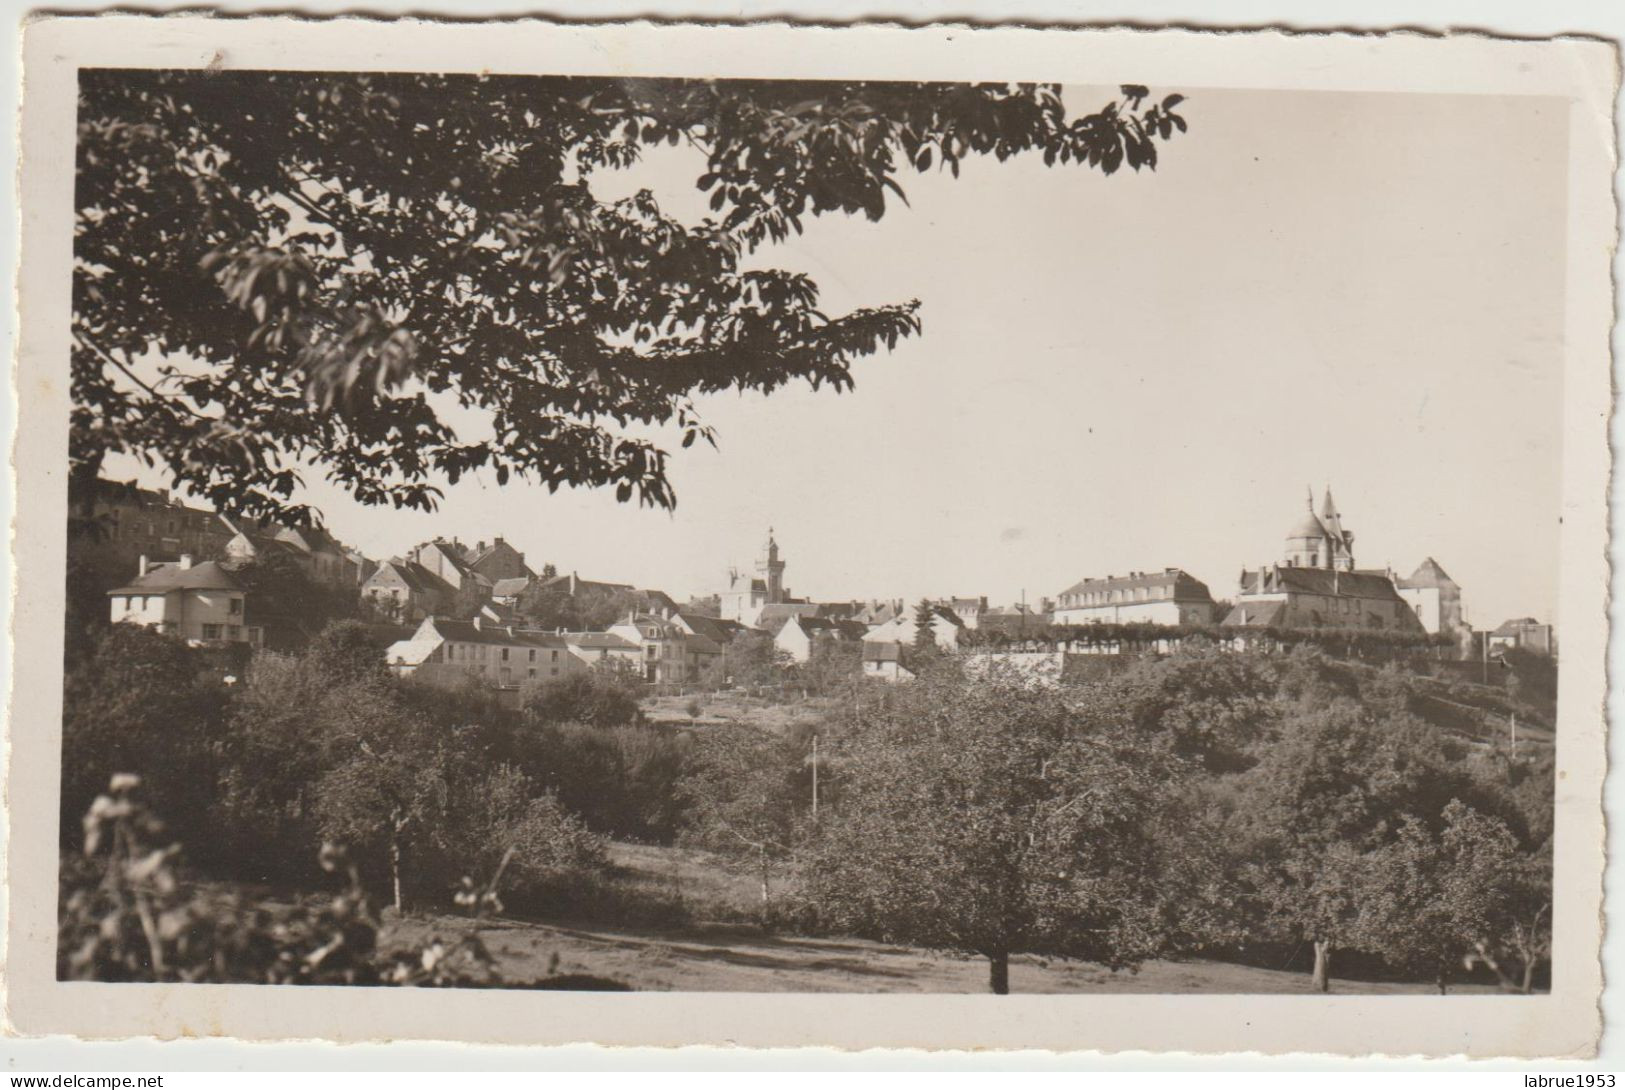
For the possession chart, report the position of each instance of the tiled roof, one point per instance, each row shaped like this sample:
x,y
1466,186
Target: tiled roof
x,y
598,640
418,579
1256,614
469,632
830,626
774,614
1516,625
510,588
450,551
1428,574
712,628
702,645
585,584
1186,587
1329,583
162,578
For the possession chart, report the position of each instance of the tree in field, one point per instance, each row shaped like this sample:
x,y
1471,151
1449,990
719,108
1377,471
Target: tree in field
x,y
987,819
1463,893
1321,799
280,269
833,665
741,800
751,660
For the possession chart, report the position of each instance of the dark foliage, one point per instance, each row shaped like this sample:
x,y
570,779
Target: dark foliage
x,y
315,266
599,698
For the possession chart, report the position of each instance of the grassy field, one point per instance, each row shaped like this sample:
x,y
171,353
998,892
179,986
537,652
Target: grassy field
x,y
738,957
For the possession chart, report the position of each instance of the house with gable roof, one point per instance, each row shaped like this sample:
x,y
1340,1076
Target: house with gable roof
x,y
1436,600
502,656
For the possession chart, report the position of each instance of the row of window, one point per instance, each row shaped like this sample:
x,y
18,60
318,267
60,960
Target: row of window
x,y
231,632
476,652
1113,597
141,602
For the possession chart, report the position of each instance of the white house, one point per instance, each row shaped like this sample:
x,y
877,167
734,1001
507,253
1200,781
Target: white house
x,y
200,603
945,625
604,650
796,634
886,661
501,655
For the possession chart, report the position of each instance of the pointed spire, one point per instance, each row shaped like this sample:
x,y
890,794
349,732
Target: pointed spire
x,y
1329,510
1309,491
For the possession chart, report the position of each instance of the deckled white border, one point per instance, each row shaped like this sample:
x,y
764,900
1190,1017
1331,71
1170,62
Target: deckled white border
x,y
1563,1023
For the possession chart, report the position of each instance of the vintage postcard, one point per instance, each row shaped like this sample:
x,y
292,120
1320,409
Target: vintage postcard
x,y
863,536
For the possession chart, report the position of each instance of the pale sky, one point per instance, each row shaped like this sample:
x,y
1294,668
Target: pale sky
x,y
1135,372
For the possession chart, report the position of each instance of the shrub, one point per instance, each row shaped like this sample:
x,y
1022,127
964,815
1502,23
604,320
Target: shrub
x,y
622,781
126,915
595,697
536,844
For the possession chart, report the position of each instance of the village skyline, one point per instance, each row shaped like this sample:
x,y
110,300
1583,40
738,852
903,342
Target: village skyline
x,y
1032,436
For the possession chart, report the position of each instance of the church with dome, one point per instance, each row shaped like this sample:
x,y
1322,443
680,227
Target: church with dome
x,y
1317,585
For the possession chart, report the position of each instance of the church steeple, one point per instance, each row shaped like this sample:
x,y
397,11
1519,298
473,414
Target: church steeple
x,y
771,569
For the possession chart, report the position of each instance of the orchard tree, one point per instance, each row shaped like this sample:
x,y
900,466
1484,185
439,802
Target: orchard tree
x,y
833,665
1322,798
987,818
751,660
1435,899
740,798
281,269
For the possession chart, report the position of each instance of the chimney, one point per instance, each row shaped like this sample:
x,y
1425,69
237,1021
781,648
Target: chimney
x,y
497,540
142,567
479,546
186,561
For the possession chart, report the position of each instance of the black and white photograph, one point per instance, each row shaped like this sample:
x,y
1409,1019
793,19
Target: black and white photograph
x,y
822,529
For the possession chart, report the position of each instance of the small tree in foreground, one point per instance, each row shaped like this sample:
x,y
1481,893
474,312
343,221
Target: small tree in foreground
x,y
986,818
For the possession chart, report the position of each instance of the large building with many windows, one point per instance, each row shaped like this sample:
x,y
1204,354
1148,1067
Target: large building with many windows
x,y
502,656
1171,596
